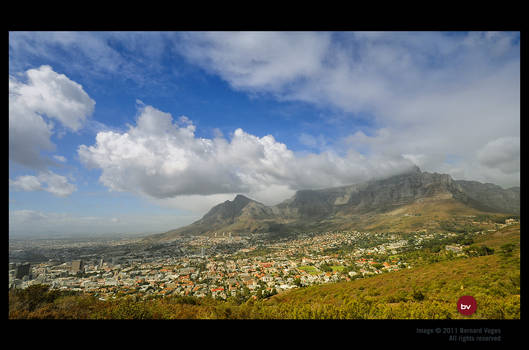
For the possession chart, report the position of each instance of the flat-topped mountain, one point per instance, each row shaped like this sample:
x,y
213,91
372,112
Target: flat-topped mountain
x,y
344,206
372,196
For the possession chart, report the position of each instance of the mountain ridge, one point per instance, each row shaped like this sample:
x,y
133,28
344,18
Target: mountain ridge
x,y
346,205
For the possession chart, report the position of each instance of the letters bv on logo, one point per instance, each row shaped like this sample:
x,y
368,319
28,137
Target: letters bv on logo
x,y
466,305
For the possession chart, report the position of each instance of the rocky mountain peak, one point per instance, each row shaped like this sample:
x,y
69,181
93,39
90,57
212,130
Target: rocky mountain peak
x,y
321,207
241,199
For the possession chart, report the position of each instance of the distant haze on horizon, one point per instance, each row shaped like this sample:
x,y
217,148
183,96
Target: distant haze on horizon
x,y
146,131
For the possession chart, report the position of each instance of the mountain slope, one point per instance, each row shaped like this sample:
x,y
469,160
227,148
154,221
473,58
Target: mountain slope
x,y
490,197
387,194
366,205
392,295
242,214
429,291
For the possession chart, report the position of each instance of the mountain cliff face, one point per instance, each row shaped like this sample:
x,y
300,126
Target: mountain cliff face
x,y
241,214
371,197
227,212
490,197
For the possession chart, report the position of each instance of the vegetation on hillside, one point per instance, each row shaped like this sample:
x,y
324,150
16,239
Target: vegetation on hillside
x,y
429,291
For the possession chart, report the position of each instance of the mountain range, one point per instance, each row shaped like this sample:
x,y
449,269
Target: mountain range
x,y
357,206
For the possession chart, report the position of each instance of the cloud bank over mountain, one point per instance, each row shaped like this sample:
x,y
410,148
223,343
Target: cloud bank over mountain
x,y
162,158
433,94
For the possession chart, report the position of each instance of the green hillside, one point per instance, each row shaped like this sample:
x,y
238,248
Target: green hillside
x,y
429,291
490,272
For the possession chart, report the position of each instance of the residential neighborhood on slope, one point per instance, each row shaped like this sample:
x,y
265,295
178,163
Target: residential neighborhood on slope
x,y
223,266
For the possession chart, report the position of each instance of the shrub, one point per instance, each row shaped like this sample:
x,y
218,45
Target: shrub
x,y
418,295
507,249
484,250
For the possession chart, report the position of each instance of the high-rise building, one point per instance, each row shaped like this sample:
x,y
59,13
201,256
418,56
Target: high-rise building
x,y
77,266
22,270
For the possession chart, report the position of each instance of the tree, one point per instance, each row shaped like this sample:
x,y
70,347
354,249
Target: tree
x,y
484,250
436,249
325,267
466,241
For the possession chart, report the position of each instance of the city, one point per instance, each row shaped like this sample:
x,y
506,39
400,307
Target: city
x,y
223,265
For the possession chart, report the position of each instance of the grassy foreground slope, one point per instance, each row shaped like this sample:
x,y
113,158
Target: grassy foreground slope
x,y
430,291
425,292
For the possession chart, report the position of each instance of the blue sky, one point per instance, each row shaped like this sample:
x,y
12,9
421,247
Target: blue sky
x,y
145,131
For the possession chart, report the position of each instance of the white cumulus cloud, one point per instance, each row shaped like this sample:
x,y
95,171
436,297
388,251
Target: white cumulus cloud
x,y
54,95
57,185
45,97
161,159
